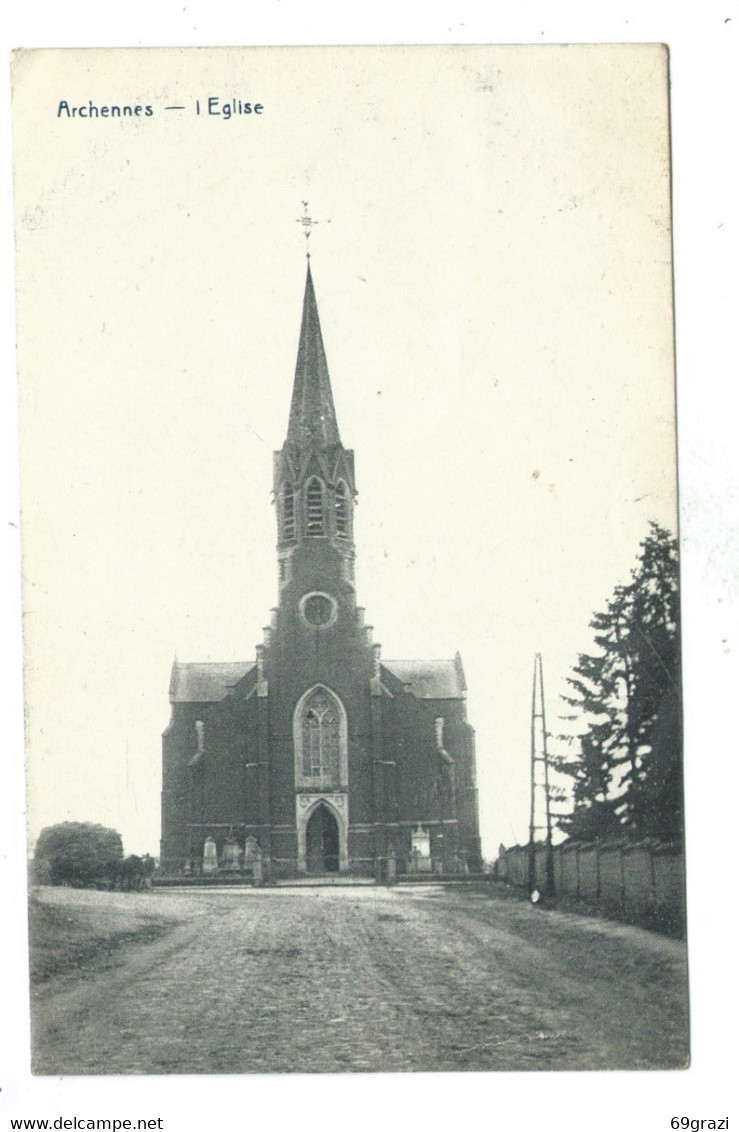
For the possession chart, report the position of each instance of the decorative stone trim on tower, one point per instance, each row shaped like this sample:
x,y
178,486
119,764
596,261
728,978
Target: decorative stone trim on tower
x,y
376,680
439,727
348,569
284,569
200,736
262,685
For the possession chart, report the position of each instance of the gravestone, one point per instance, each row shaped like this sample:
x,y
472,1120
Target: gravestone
x,y
231,854
210,856
253,859
420,850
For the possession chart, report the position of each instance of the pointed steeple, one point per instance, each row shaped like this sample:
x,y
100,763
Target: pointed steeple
x,y
312,413
313,475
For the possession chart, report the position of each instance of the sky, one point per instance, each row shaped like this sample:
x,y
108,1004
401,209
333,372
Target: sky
x,y
493,274
703,85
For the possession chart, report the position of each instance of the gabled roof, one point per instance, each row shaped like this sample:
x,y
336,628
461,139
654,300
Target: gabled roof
x,y
210,681
205,682
430,679
312,413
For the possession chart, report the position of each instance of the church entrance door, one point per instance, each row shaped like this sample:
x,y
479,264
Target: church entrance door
x,y
322,842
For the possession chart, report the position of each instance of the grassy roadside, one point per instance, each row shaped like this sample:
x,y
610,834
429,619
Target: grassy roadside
x,y
73,930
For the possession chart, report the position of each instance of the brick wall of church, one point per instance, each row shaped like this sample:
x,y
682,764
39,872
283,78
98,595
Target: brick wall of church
x,y
220,790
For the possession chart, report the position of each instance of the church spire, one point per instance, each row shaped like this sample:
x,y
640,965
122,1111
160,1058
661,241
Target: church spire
x,y
312,414
314,486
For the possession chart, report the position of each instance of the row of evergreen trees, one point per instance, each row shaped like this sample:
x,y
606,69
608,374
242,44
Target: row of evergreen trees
x,y
625,761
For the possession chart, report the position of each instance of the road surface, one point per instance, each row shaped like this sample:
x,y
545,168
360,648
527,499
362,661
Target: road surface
x,y
325,980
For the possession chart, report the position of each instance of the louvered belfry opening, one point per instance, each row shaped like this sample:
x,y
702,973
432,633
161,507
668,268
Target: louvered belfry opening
x,y
315,520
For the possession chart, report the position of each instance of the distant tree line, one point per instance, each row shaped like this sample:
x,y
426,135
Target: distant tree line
x,y
625,762
85,855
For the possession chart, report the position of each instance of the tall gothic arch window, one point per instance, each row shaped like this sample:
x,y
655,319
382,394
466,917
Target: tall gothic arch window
x,y
315,523
320,735
343,511
288,512
320,724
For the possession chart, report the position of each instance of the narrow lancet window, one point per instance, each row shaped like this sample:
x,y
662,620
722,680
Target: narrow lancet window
x,y
315,522
343,511
288,512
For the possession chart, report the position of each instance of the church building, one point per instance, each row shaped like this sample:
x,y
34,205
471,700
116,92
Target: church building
x,y
319,756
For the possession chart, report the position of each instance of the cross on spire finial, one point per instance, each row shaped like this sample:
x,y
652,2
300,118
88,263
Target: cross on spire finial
x,y
307,223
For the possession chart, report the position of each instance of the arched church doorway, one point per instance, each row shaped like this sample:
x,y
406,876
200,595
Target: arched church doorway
x,y
322,841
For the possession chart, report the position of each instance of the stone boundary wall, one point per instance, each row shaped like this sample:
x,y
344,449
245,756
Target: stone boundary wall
x,y
642,880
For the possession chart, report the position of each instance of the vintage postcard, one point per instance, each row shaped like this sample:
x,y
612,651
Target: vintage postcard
x,y
350,569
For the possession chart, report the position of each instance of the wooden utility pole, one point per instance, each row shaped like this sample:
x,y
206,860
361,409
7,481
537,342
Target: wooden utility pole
x,y
540,800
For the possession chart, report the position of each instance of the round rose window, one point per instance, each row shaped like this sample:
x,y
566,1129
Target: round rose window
x,y
319,610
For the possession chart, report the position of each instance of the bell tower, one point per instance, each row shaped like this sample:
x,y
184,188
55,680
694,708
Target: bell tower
x,y
318,657
314,487
319,751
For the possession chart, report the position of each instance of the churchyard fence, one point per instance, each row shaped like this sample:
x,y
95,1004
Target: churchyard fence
x,y
643,881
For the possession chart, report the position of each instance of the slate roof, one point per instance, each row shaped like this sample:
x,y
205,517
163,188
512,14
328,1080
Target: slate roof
x,y
205,682
210,681
312,413
430,679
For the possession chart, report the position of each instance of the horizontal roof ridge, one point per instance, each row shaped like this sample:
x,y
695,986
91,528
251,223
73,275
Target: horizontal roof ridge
x,y
206,681
429,679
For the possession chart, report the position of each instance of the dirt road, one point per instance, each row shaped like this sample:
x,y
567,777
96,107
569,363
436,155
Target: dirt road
x,y
365,979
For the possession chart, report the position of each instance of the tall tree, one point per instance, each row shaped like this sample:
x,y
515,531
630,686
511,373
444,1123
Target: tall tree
x,y
627,770
655,789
